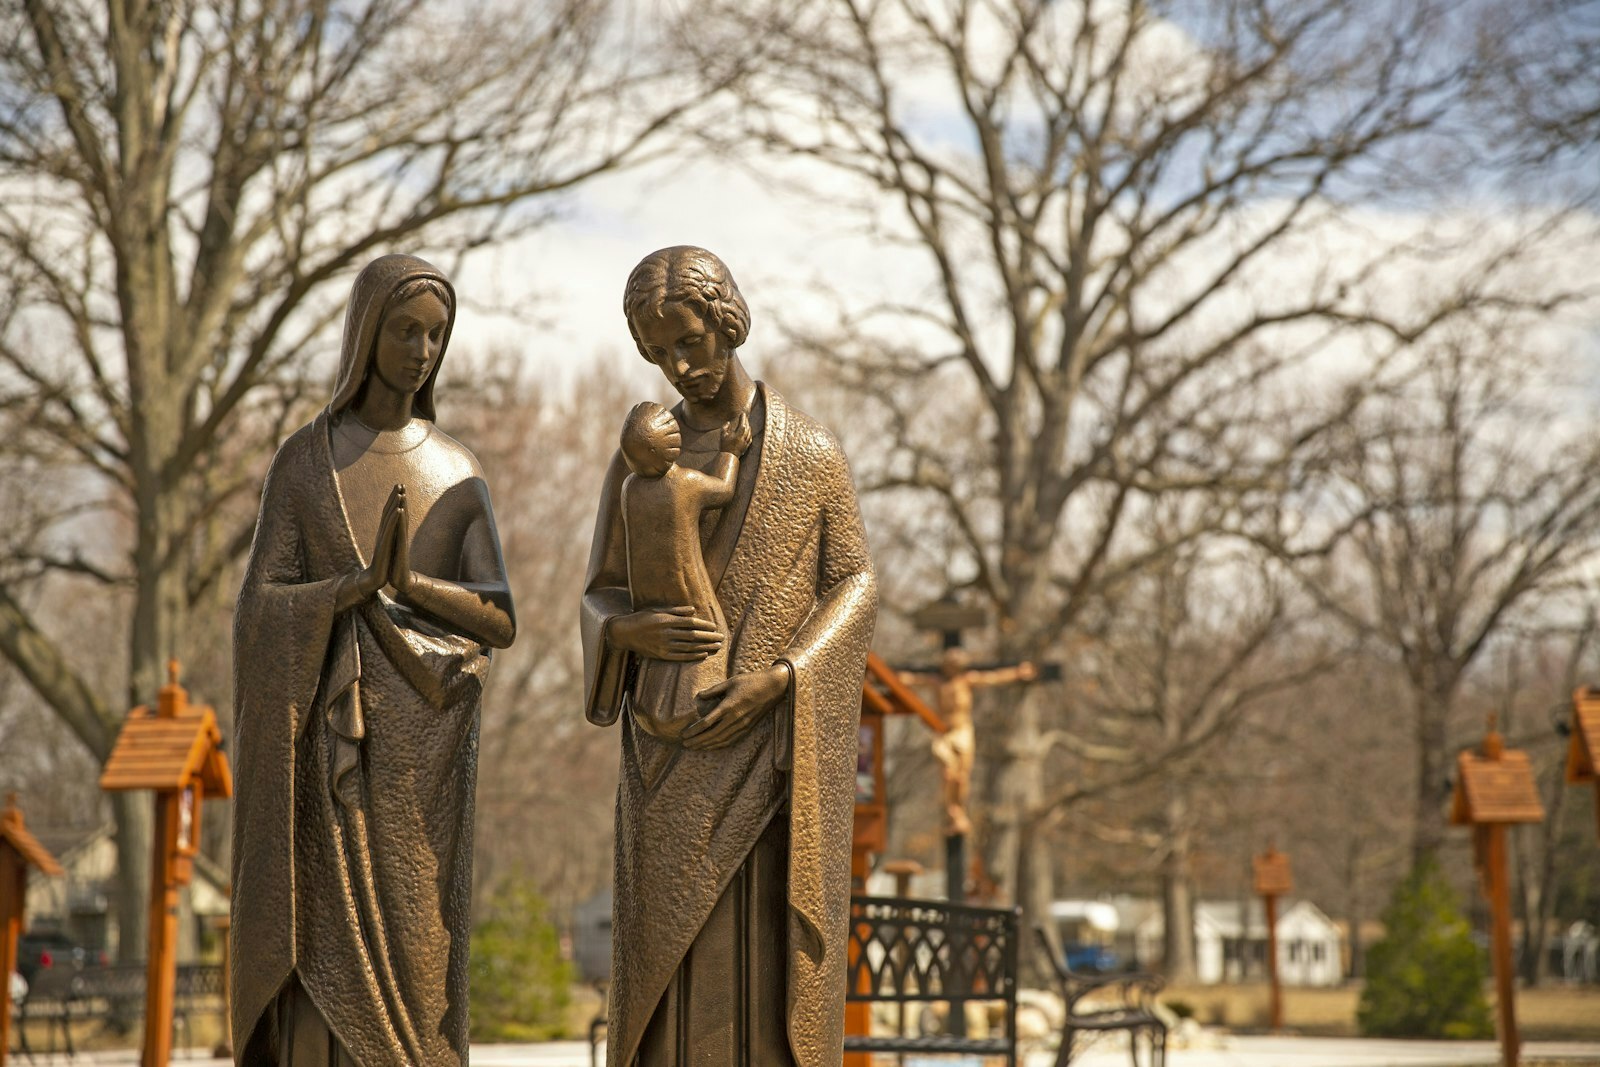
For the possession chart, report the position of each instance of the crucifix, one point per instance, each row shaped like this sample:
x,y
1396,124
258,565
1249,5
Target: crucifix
x,y
956,749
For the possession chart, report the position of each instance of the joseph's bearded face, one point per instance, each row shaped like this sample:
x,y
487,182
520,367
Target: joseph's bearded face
x,y
687,348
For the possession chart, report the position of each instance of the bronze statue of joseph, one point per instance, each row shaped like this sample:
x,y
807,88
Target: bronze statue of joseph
x,y
733,838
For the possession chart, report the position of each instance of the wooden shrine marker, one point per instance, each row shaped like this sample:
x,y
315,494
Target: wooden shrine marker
x,y
1273,879
1499,791
19,850
882,694
1583,745
1273,875
1495,789
175,750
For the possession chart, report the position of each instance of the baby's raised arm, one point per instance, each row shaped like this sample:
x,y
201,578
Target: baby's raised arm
x,y
716,485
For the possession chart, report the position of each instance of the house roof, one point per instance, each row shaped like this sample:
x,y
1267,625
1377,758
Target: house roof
x,y
1232,918
66,843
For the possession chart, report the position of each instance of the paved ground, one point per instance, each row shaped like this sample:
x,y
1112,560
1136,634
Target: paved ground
x,y
1334,1052
1228,1052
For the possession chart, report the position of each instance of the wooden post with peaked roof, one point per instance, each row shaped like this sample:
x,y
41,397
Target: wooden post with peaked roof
x,y
19,850
1273,879
1583,744
882,694
176,750
1495,789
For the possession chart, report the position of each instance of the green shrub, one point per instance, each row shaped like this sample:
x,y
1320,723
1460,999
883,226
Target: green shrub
x,y
1183,1009
521,987
1425,978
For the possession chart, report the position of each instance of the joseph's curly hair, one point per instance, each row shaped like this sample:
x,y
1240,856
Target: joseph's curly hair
x,y
694,276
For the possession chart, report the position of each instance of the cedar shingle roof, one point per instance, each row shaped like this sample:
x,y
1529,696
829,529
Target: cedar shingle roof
x,y
16,835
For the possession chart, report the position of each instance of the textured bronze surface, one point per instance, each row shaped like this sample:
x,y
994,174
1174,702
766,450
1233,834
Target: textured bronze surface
x,y
746,796
374,593
662,504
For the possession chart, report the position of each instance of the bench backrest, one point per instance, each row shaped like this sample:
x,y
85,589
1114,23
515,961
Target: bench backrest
x,y
913,950
193,981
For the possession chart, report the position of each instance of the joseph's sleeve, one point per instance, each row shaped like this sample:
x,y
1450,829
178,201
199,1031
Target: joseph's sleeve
x,y
827,657
838,632
605,596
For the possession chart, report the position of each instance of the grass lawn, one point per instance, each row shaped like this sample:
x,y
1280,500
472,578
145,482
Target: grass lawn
x,y
1556,1013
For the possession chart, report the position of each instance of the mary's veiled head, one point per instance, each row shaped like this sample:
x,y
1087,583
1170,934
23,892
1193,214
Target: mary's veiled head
x,y
379,286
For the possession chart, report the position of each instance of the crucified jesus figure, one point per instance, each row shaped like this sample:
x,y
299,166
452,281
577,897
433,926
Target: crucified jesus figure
x,y
956,749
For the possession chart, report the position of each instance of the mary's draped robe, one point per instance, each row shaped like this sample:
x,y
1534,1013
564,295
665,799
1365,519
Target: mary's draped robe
x,y
792,571
356,737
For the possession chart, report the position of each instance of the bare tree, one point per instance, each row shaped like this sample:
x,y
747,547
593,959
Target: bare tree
x,y
1332,788
181,184
1201,643
1536,79
1116,208
547,777
1439,514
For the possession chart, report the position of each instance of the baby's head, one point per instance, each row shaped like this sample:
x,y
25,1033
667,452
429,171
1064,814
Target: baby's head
x,y
650,440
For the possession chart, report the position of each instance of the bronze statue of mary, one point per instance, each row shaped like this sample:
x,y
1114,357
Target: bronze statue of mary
x,y
732,883
374,594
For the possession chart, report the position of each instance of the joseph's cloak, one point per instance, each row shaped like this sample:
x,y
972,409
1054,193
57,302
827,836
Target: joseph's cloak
x,y
792,570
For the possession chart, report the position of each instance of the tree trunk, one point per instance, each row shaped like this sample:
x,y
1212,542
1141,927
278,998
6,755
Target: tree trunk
x,y
1432,709
1354,913
1033,888
1177,893
134,813
160,610
1538,855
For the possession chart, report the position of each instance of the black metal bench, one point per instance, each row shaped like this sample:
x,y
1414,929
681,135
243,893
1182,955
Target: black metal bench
x,y
114,996
1120,1002
904,951
48,1001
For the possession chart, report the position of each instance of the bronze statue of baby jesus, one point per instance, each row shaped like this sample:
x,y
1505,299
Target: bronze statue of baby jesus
x,y
662,503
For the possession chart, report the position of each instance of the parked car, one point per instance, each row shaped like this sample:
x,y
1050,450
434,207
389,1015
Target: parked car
x,y
46,957
1092,959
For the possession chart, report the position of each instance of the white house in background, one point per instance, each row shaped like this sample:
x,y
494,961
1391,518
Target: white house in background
x,y
79,904
1230,943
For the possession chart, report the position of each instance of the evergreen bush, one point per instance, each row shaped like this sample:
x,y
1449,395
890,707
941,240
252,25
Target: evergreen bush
x,y
521,987
1425,977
